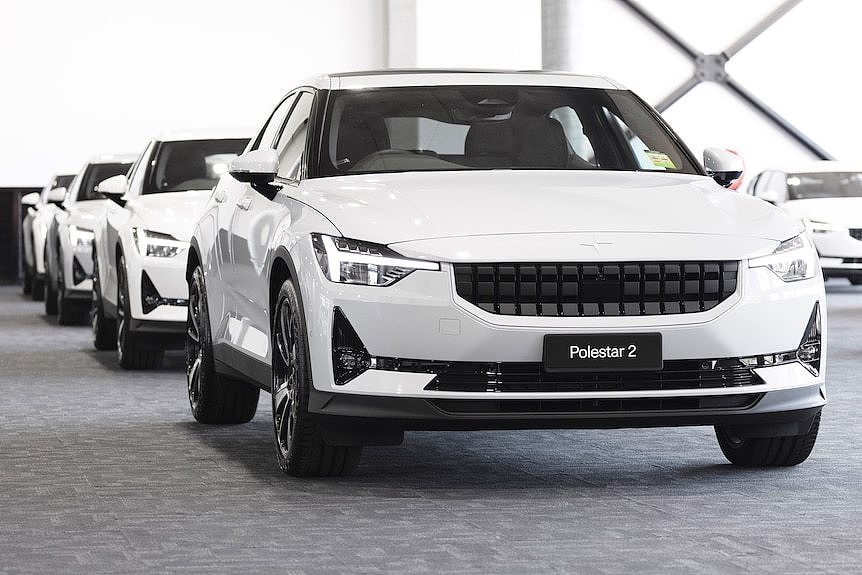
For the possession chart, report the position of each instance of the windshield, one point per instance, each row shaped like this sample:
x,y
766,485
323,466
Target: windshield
x,y
96,173
192,164
824,185
495,127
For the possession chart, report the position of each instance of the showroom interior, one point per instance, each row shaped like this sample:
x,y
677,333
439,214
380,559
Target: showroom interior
x,y
114,458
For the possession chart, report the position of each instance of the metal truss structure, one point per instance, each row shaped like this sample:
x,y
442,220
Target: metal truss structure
x,y
712,68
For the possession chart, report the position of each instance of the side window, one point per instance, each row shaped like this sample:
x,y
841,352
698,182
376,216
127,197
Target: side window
x,y
266,139
139,168
291,143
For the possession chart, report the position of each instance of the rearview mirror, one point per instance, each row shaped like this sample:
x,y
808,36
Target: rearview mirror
x,y
56,195
256,167
114,188
30,199
723,166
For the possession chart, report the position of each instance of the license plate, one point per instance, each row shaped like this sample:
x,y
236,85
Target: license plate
x,y
606,352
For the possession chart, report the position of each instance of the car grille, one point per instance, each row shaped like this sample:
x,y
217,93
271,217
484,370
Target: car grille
x,y
596,289
856,233
516,377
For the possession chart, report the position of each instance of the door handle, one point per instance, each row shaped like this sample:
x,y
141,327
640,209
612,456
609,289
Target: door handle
x,y
220,196
244,203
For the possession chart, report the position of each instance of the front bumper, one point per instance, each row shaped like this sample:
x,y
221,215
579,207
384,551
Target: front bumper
x,y
158,294
422,317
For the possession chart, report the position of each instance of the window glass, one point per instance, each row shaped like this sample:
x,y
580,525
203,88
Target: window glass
x,y
273,126
824,185
487,127
95,174
191,164
291,143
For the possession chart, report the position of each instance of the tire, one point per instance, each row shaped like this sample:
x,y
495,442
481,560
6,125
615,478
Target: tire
x,y
213,398
768,451
69,312
299,444
28,280
104,327
130,353
856,281
50,295
37,292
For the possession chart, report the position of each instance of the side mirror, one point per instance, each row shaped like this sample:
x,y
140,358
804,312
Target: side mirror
x,y
30,199
114,188
723,166
56,195
257,167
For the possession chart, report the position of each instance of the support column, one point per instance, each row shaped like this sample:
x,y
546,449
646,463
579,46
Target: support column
x,y
401,34
556,35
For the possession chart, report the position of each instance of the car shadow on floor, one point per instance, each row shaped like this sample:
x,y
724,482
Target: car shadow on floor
x,y
486,462
174,361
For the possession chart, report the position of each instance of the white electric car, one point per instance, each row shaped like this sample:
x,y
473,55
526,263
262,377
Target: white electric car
x,y
69,244
141,243
465,250
35,227
827,197
28,206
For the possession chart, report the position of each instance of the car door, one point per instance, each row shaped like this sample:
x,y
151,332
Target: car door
x,y
235,199
253,225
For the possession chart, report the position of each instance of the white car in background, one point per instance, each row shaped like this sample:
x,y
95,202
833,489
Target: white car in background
x,y
827,197
140,246
69,244
35,230
455,250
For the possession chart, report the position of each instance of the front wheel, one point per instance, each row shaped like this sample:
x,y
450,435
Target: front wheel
x,y
768,451
300,448
856,281
50,295
69,312
130,353
104,327
28,280
213,398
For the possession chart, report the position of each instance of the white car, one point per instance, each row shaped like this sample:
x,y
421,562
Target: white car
x,y
141,243
454,250
69,245
35,229
827,197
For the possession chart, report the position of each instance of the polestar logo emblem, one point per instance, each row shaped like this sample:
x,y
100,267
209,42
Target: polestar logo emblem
x,y
596,245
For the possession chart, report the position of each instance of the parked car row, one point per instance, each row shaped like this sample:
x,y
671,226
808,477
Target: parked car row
x,y
411,250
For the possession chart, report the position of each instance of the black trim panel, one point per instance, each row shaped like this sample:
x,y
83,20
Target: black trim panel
x,y
233,363
397,413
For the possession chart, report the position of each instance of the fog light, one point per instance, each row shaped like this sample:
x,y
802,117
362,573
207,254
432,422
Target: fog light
x,y
349,356
809,348
150,297
78,273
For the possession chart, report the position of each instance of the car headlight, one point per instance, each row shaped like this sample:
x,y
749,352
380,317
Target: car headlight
x,y
816,227
354,262
794,259
80,238
157,244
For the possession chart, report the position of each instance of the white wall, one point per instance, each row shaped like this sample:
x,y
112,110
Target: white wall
x,y
805,67
504,34
92,76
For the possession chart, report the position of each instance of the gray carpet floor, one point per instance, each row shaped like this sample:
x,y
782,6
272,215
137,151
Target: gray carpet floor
x,y
105,471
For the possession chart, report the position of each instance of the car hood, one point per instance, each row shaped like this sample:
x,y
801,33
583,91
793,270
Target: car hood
x,y
838,211
393,208
174,213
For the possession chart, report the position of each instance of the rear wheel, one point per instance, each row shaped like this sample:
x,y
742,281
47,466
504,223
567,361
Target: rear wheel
x,y
300,447
213,398
129,350
768,451
104,327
